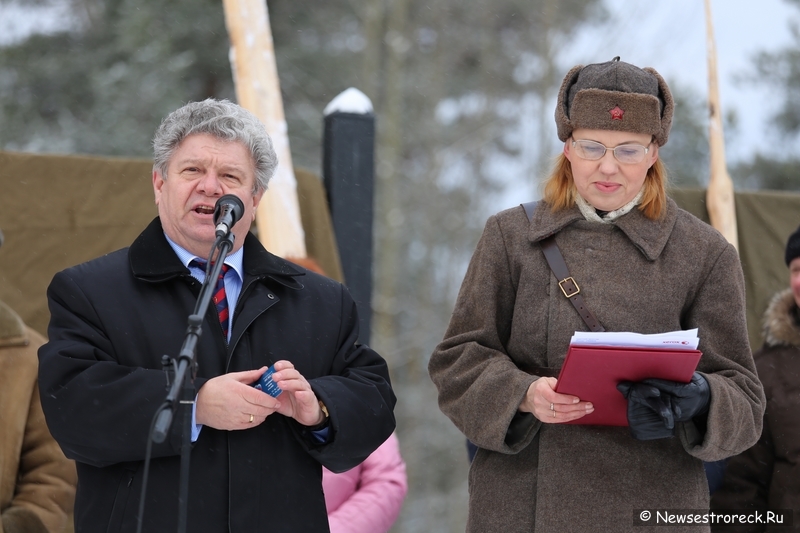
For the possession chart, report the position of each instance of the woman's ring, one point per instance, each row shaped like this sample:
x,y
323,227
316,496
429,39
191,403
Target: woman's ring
x,y
551,406
554,413
251,419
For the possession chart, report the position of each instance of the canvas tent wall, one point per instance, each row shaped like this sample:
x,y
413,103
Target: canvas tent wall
x,y
57,211
765,219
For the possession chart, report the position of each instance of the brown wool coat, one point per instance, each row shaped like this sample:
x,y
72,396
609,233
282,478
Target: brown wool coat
x,y
37,483
510,316
767,476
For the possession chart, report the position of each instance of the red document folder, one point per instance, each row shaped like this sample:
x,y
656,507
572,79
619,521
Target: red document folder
x,y
592,373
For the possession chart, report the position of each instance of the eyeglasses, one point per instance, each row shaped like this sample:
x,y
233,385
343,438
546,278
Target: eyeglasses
x,y
624,153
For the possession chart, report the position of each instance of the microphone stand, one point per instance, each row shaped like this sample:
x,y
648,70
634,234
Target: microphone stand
x,y
183,384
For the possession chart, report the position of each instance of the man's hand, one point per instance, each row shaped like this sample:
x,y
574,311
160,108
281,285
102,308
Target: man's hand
x,y
230,402
550,406
297,400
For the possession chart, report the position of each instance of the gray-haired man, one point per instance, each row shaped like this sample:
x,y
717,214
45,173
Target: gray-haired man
x,y
255,462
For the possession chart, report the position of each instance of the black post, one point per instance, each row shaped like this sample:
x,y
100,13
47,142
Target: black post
x,y
348,170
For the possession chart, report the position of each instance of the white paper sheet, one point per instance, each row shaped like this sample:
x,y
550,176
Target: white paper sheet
x,y
678,340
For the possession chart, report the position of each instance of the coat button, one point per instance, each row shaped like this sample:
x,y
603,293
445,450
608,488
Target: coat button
x,y
271,296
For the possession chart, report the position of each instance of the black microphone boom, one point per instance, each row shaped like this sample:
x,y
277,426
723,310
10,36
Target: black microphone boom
x,y
227,212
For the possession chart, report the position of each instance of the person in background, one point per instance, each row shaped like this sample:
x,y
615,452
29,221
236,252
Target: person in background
x,y
256,460
715,470
367,498
767,476
37,482
641,264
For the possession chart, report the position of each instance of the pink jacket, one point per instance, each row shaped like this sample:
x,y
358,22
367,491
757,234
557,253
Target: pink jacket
x,y
368,498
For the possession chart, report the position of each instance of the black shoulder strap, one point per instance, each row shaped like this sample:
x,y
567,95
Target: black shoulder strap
x,y
529,207
567,283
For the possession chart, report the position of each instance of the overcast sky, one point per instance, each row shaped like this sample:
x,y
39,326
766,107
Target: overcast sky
x,y
17,22
670,36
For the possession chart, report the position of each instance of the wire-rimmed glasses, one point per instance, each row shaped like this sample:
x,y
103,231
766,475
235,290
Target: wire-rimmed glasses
x,y
624,153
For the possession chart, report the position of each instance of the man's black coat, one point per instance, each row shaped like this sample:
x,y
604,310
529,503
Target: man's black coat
x,y
101,382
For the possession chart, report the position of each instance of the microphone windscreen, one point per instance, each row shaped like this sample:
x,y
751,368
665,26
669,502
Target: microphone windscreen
x,y
235,204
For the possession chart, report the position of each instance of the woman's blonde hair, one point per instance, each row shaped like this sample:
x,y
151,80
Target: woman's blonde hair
x,y
560,192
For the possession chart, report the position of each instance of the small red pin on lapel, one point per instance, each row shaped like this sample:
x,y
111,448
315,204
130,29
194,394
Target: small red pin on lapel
x,y
616,113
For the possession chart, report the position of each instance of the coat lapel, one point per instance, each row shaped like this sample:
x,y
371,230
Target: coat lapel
x,y
152,259
649,236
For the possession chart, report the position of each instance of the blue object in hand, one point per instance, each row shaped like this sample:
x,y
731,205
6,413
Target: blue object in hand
x,y
265,383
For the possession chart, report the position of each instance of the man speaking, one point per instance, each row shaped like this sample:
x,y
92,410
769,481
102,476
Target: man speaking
x,y
255,459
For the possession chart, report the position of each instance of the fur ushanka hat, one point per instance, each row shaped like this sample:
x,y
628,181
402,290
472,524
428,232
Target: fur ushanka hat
x,y
615,96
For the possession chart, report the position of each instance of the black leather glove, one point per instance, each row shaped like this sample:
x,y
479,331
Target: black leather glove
x,y
688,399
650,413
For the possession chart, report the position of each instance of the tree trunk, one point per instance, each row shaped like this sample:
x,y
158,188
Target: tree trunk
x,y
390,144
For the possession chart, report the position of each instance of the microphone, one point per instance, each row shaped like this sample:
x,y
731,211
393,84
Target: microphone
x,y
227,212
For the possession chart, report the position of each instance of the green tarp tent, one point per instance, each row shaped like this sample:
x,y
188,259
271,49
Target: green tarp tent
x,y
58,211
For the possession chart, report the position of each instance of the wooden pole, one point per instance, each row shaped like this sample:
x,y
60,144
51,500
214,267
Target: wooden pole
x,y
719,196
255,74
348,171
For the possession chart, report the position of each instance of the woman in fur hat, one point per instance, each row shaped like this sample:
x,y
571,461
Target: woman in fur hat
x,y
767,476
642,265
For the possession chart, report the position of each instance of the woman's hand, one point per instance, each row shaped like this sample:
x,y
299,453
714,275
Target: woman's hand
x,y
551,407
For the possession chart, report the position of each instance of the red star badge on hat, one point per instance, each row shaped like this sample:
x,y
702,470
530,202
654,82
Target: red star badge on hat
x,y
616,113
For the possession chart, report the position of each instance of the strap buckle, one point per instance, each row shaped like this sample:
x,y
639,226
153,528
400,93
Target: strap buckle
x,y
571,287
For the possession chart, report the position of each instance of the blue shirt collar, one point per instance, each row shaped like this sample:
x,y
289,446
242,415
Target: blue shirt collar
x,y
233,260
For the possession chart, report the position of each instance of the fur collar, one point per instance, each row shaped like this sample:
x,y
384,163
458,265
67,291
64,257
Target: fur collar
x,y
779,321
